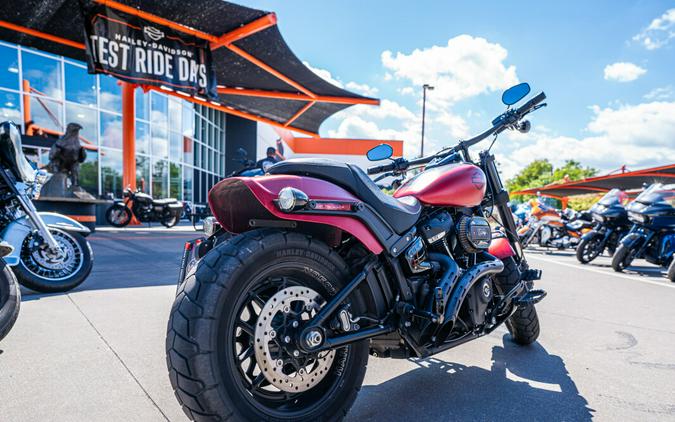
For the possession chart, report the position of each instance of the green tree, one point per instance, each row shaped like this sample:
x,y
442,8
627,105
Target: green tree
x,y
541,172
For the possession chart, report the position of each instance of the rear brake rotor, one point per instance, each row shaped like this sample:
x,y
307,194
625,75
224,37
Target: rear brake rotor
x,y
280,361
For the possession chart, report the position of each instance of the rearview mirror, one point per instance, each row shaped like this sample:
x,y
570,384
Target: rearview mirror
x,y
380,152
515,93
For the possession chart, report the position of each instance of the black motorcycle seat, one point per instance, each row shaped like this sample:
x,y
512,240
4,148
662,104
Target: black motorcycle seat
x,y
401,213
165,201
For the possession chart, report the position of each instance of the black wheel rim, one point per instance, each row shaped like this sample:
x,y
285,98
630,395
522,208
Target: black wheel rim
x,y
250,381
591,250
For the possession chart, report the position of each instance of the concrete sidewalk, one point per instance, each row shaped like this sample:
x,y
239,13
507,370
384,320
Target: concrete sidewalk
x,y
97,353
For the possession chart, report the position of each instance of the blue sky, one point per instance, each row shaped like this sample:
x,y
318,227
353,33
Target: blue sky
x,y
608,68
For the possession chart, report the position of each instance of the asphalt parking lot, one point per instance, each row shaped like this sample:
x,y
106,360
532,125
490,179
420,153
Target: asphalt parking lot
x,y
97,353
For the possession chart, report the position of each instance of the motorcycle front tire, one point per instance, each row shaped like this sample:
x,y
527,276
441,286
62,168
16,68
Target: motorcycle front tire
x,y
524,323
671,270
622,258
10,299
43,284
123,222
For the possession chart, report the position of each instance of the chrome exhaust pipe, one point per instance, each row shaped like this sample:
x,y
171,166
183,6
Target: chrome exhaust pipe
x,y
489,265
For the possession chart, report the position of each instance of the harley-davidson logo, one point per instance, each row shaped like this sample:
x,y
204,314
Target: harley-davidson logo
x,y
478,180
153,33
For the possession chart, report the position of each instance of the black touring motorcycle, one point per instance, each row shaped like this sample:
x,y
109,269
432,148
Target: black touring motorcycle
x,y
611,224
277,322
652,236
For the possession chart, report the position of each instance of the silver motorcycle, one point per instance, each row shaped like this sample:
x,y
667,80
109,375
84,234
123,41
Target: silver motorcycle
x,y
50,252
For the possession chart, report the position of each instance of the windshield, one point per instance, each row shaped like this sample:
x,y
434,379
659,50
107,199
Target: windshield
x,y
658,193
614,197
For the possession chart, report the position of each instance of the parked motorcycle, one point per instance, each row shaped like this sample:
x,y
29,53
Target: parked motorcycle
x,y
278,321
551,228
146,209
50,252
652,236
611,224
10,294
249,167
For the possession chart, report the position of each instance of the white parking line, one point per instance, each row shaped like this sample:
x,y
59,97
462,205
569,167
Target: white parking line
x,y
594,270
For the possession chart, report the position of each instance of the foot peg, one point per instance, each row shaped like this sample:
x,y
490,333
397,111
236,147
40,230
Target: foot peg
x,y
530,298
531,275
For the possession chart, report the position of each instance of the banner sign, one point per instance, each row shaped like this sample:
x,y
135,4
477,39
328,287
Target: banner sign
x,y
141,52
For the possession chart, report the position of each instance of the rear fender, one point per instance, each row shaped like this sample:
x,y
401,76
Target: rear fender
x,y
238,200
501,248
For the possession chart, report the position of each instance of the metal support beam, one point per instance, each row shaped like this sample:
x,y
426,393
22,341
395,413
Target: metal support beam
x,y
128,135
246,30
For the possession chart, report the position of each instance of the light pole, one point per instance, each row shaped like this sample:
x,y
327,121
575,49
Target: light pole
x,y
424,107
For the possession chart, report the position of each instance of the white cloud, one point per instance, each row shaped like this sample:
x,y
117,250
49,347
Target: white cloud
x,y
389,121
662,93
324,74
659,32
363,89
467,66
636,135
623,72
406,90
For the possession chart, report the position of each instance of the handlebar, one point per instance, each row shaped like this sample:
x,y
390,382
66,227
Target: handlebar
x,y
502,122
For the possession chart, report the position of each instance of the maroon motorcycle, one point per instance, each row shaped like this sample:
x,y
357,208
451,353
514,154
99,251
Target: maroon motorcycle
x,y
310,269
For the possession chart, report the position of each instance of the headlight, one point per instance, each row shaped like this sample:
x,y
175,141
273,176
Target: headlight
x,y
211,226
291,199
636,216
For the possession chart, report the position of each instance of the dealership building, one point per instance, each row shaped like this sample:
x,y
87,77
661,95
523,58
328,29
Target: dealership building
x,y
181,147
152,134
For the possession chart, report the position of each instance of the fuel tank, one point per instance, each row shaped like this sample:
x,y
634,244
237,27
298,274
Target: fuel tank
x,y
452,185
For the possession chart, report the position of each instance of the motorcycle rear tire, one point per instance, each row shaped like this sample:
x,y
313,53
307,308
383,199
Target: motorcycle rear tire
x,y
622,258
10,299
118,223
204,317
524,323
169,221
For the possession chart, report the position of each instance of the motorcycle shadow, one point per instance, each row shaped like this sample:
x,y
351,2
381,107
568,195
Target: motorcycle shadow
x,y
525,384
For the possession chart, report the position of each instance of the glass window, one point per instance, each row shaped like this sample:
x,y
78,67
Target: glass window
x,y
89,172
142,111
80,85
9,107
111,93
46,114
142,138
43,74
187,184
111,130
197,155
188,148
86,117
9,68
32,155
111,172
143,173
159,109
175,181
160,176
175,147
160,147
175,114
188,120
